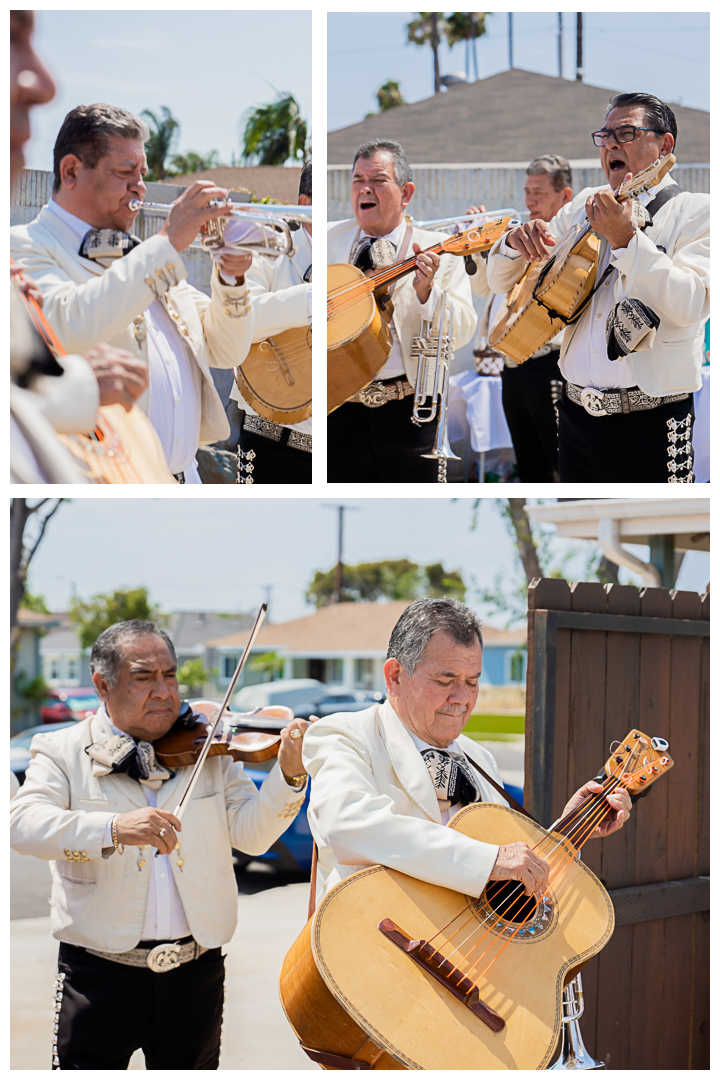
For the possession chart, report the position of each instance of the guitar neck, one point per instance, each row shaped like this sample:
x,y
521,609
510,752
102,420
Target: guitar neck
x,y
387,277
578,825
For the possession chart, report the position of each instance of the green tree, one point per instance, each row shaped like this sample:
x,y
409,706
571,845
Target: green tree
x,y
389,96
163,133
466,26
105,609
426,29
194,675
269,663
35,602
27,697
275,133
184,164
391,579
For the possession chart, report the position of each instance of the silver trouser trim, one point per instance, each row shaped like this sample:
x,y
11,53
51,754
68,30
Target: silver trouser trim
x,y
161,958
607,402
679,439
377,393
57,1005
297,440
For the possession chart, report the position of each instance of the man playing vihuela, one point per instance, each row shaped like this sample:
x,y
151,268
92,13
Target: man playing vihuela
x,y
371,438
141,902
101,283
385,781
632,360
530,390
280,299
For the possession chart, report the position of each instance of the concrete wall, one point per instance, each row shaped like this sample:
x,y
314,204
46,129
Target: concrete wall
x,y
446,190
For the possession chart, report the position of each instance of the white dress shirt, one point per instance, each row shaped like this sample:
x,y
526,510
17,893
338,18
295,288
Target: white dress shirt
x,y
165,916
175,382
394,366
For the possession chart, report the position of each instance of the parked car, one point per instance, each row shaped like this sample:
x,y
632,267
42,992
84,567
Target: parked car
x,y
340,701
20,746
306,697
293,851
72,703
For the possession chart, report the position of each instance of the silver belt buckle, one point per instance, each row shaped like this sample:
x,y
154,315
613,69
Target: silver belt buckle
x,y
163,958
592,401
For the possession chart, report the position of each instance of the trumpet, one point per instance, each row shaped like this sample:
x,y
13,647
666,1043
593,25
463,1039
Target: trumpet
x,y
434,354
463,222
267,232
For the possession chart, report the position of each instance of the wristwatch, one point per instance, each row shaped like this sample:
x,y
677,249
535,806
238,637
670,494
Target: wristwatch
x,y
296,781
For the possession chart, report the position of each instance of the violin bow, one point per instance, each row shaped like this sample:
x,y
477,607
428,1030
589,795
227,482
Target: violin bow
x,y
178,811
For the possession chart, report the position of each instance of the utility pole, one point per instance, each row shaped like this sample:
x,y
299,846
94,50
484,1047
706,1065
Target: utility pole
x,y
510,38
339,564
579,60
559,44
435,49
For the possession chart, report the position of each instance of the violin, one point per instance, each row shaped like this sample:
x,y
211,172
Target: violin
x,y
251,737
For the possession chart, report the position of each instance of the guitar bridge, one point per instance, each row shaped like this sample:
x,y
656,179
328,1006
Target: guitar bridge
x,y
430,960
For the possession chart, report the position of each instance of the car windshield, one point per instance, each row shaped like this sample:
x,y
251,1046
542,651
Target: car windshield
x,y
24,738
78,704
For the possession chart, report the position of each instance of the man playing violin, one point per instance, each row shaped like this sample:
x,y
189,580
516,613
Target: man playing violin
x,y
386,780
371,437
101,283
141,902
632,360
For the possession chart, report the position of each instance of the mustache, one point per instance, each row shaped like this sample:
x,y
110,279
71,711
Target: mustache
x,y
453,710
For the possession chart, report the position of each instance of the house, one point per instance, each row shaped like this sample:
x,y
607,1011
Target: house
x,y
346,645
63,662
32,626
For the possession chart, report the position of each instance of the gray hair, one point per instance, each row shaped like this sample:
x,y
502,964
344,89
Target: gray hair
x,y
107,656
557,168
417,624
86,132
401,165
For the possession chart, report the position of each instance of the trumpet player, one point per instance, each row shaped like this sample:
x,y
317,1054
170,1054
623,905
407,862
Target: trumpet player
x,y
101,283
371,437
281,299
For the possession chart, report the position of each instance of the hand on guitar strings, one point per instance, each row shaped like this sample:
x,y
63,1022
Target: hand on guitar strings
x,y
26,284
121,377
427,266
532,239
611,219
618,800
518,862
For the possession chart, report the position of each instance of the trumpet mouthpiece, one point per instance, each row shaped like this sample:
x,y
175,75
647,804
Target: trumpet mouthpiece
x,y
135,204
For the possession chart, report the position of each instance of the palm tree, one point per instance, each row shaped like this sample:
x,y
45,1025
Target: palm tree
x,y
162,135
428,27
466,26
275,132
183,164
388,96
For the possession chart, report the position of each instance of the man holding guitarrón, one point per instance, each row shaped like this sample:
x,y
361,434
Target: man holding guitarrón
x,y
371,437
632,360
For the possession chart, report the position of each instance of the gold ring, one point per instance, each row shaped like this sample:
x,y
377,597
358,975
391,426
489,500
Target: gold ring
x,y
296,733
162,832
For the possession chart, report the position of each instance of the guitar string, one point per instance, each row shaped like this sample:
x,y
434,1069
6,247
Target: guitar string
x,y
598,812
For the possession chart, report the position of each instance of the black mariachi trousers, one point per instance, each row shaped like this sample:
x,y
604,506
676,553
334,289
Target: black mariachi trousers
x,y
109,1010
379,446
645,447
530,413
275,462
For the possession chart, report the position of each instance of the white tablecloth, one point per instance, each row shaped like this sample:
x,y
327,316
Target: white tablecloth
x,y
701,430
475,411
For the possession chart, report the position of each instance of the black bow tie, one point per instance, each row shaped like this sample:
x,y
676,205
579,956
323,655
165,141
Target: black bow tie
x,y
452,776
107,244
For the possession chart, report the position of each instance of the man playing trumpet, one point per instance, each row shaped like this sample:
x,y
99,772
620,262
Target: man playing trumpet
x,y
371,437
280,299
100,283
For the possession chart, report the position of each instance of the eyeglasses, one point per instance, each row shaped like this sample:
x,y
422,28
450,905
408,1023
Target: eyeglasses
x,y
624,134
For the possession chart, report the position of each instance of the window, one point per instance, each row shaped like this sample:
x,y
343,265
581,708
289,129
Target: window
x,y
517,666
364,674
54,668
334,671
230,662
72,672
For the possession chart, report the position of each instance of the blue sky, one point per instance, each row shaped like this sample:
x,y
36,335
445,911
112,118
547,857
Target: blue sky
x,y
208,67
219,554
662,53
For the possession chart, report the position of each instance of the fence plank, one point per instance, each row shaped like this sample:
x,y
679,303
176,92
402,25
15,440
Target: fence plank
x,y
700,1028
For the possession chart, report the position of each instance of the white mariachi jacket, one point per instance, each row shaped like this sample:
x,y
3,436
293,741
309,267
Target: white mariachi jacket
x,y
86,303
61,812
372,801
407,315
670,273
278,301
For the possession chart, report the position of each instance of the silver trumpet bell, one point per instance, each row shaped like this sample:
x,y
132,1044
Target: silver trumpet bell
x,y
573,1054
433,383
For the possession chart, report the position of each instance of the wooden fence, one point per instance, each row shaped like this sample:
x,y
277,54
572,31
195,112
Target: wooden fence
x,y
602,660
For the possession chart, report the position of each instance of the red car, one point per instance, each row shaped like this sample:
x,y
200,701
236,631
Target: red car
x,y
74,703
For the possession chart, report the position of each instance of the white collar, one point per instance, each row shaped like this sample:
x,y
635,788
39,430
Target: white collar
x,y
78,226
453,748
393,237
103,714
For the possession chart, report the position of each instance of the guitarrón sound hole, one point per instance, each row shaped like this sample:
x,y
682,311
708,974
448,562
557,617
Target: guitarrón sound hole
x,y
508,900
